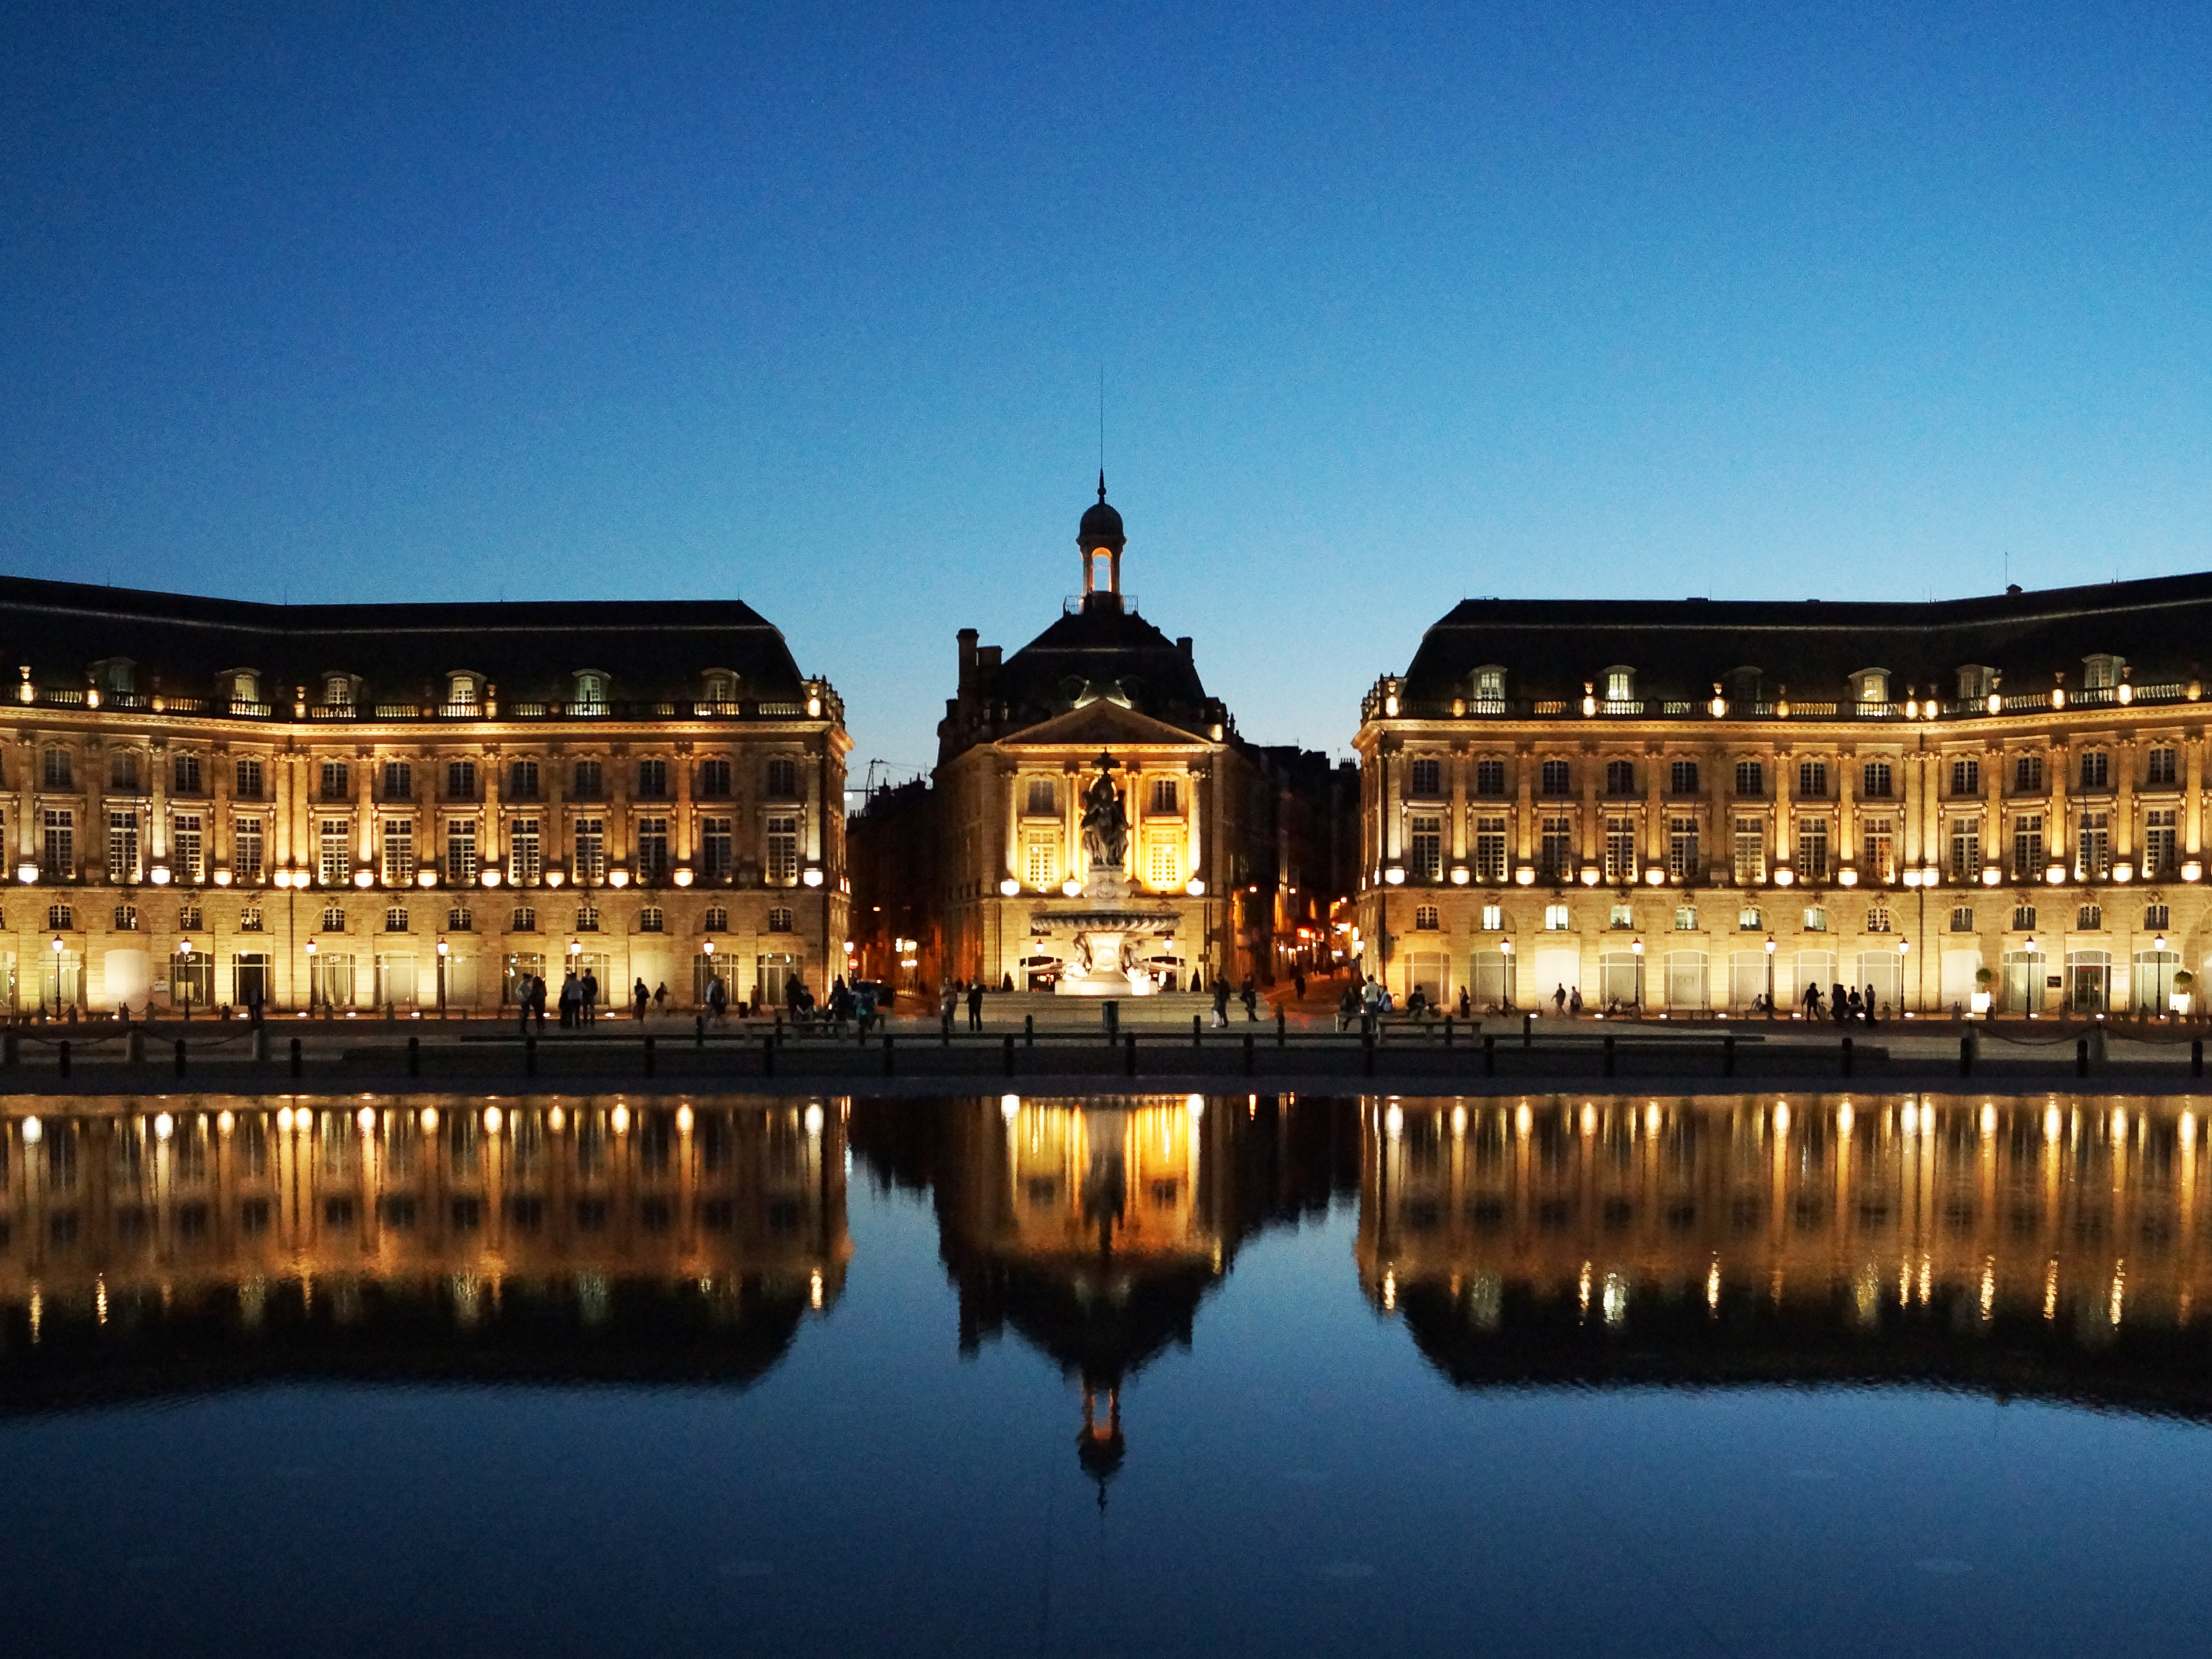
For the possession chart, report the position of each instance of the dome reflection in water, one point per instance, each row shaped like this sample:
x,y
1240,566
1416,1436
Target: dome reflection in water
x,y
1165,1374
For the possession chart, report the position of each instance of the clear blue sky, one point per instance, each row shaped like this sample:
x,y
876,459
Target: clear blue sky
x,y
808,304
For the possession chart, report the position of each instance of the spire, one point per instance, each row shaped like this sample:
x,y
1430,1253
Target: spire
x,y
1102,486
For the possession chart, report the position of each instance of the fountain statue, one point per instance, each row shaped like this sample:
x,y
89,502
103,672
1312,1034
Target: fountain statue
x,y
1107,926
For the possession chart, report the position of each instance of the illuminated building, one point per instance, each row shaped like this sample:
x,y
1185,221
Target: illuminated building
x,y
1686,806
404,805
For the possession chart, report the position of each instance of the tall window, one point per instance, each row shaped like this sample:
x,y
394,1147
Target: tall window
x,y
1619,849
590,693
1812,849
61,918
249,919
782,849
1682,847
335,775
1427,862
2092,846
1965,777
54,768
653,779
460,850
2027,846
1620,777
1878,849
525,858
1962,919
188,848
1682,778
1167,797
1685,919
1813,779
1620,685
1816,919
333,858
399,780
184,772
247,774
1490,779
1493,918
123,846
2089,918
2027,775
245,850
1748,919
652,849
1622,918
591,849
587,918
716,858
460,780
2158,843
1555,851
126,918
716,920
1750,778
334,919
337,691
1043,799
1875,780
1163,867
1428,780
1427,918
651,920
1966,849
1489,688
714,780
782,779
2154,919
1041,858
524,920
1750,851
779,918
2160,769
1554,780
2096,769
1555,918
460,920
461,691
1878,918
1490,851
123,771
397,836
590,781
522,780
395,919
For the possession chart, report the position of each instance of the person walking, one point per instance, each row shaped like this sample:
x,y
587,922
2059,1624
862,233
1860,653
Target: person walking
x,y
1299,983
660,997
571,995
948,1003
717,998
1575,1003
1839,1003
1812,1001
591,1002
640,999
522,987
1559,999
539,996
1221,1002
976,1006
1250,996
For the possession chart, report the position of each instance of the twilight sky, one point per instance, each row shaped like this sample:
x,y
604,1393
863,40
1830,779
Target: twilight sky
x,y
1396,303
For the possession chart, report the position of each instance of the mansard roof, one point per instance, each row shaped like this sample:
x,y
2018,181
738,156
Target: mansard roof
x,y
650,649
1549,647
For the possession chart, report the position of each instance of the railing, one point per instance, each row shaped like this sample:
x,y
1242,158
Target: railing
x,y
833,708
1912,711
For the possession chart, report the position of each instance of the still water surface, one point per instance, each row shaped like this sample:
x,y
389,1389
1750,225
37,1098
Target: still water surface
x,y
1740,1375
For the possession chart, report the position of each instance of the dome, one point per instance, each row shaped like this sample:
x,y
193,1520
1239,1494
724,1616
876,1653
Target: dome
x,y
1101,525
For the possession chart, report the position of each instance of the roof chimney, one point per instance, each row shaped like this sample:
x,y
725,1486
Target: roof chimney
x,y
967,638
1183,645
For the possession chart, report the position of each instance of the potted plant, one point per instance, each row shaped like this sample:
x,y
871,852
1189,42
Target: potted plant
x,y
2183,979
1980,1001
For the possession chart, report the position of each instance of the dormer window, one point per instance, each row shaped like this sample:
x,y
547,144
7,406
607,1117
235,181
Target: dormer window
x,y
1489,686
2101,672
1620,685
461,690
337,690
590,692
1871,686
244,685
116,677
722,685
1976,682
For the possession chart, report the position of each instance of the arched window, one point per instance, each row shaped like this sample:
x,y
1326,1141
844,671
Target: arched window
x,y
590,692
337,690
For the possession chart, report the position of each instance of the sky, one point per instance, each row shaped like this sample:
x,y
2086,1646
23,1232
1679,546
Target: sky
x,y
1393,305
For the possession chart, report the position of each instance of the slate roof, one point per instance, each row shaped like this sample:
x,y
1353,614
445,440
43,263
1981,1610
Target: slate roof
x,y
1099,645
649,649
1548,648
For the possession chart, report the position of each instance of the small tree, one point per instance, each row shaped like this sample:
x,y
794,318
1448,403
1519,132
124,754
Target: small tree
x,y
1983,977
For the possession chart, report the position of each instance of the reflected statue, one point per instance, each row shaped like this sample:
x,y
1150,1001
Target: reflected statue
x,y
1105,820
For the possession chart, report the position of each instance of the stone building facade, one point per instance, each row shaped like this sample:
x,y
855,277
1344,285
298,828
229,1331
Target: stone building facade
x,y
1687,806
350,807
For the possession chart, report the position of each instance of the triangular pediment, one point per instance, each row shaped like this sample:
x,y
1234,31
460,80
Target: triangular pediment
x,y
1101,724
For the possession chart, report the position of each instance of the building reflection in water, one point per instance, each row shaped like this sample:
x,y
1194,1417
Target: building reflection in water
x,y
149,1246
1095,1228
2052,1245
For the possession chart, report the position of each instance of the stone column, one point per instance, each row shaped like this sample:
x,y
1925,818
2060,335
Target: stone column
x,y
2124,804
1525,814
157,807
1847,839
1460,763
1908,847
1993,848
685,761
1654,805
2192,810
1785,847
2055,835
1593,770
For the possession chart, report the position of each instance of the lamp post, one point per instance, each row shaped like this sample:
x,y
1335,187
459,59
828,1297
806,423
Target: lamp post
x,y
58,948
184,965
1770,976
311,978
442,948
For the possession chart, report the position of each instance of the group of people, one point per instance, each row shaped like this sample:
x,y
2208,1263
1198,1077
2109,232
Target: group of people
x,y
1845,1006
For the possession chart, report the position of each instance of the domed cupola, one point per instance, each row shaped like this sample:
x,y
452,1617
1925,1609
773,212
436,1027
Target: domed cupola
x,y
1099,536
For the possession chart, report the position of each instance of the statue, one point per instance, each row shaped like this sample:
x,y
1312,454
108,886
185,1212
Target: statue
x,y
1105,824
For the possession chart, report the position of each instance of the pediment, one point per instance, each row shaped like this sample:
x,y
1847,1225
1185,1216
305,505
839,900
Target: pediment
x,y
1101,724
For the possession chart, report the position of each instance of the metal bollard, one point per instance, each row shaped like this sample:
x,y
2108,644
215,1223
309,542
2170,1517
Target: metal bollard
x,y
261,1045
295,1057
133,1047
11,1050
1847,1056
1029,1030
2197,1057
1010,1054
181,1056
1728,1053
1528,1030
651,1064
1195,1030
888,1066
1367,1051
699,1031
1967,1054
1129,1054
1608,1054
2081,1056
1248,1053
1282,1028
1448,1030
61,1054
530,1056
768,1055
414,1056
1489,1055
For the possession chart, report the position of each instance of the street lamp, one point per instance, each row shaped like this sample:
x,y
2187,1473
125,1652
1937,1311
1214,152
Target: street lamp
x,y
442,948
184,962
1770,976
311,978
58,948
